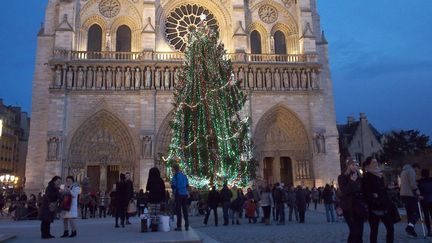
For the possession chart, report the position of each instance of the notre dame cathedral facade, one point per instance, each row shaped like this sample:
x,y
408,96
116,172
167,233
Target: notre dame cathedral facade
x,y
105,72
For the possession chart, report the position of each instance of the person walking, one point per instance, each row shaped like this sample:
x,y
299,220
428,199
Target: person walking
x,y
267,203
377,200
49,206
410,194
352,201
292,204
315,197
72,190
425,187
156,191
121,201
225,196
130,193
329,204
212,205
179,185
302,195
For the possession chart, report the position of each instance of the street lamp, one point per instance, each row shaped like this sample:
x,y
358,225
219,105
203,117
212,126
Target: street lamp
x,y
8,180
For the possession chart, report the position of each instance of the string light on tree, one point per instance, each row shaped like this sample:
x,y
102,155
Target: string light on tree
x,y
210,135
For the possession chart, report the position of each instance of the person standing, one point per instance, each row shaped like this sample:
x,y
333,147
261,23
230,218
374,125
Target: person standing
x,y
352,201
121,200
156,191
237,206
179,185
225,196
103,204
292,204
49,206
72,189
280,200
141,202
329,204
377,200
425,187
410,194
130,193
302,195
212,204
266,204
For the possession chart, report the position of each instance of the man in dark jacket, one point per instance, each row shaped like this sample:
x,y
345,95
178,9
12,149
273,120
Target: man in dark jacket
x,y
225,197
425,186
130,192
121,195
49,206
301,202
212,204
280,199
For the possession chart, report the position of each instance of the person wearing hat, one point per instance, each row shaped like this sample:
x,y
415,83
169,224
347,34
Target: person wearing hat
x,y
352,200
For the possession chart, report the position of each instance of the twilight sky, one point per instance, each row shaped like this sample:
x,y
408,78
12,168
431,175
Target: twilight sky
x,y
380,55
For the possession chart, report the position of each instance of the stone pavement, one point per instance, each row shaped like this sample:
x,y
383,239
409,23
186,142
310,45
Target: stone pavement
x,y
102,230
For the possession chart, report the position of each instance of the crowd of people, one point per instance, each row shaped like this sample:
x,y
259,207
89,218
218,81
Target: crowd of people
x,y
362,196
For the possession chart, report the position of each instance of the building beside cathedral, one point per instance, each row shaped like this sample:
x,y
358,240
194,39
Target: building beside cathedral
x,y
105,72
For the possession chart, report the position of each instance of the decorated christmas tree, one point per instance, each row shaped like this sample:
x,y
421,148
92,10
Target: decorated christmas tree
x,y
211,137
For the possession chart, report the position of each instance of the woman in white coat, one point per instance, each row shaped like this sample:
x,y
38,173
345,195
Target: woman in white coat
x,y
70,215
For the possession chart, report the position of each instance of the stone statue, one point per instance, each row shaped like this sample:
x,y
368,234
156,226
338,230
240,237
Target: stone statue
x,y
277,80
118,77
53,148
167,80
241,77
148,78
137,78
304,79
286,83
127,78
108,41
58,77
147,147
157,78
259,79
99,81
109,78
80,78
69,77
294,80
268,80
89,83
251,79
314,78
320,143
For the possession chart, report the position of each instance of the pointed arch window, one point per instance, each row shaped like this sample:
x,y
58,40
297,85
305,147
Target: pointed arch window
x,y
123,39
255,40
94,38
280,46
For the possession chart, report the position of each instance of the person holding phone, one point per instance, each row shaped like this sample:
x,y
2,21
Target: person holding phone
x,y
352,201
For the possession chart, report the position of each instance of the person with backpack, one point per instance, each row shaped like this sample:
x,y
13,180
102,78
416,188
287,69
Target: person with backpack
x,y
329,204
180,185
292,204
280,200
212,204
410,194
70,207
302,195
266,204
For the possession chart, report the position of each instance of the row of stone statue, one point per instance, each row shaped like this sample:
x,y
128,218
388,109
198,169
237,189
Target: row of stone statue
x,y
160,78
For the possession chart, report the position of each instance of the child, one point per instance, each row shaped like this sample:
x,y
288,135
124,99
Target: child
x,y
250,210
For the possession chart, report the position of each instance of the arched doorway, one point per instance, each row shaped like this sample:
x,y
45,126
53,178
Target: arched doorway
x,y
100,149
283,148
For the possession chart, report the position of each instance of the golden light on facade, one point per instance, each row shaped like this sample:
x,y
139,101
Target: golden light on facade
x,y
1,127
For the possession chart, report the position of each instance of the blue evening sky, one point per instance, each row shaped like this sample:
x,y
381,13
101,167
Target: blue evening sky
x,y
380,55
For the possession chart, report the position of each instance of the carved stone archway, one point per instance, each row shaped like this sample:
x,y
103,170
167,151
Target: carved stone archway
x,y
163,140
281,135
102,140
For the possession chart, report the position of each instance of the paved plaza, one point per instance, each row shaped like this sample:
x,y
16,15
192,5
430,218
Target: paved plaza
x,y
102,230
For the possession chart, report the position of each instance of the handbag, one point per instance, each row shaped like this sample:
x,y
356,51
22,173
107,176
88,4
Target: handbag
x,y
66,202
132,207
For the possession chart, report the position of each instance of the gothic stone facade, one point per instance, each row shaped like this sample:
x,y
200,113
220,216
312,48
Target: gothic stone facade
x,y
105,71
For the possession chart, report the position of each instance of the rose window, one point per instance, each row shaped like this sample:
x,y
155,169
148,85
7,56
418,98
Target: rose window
x,y
184,19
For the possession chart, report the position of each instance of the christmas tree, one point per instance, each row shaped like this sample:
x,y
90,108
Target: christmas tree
x,y
211,137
